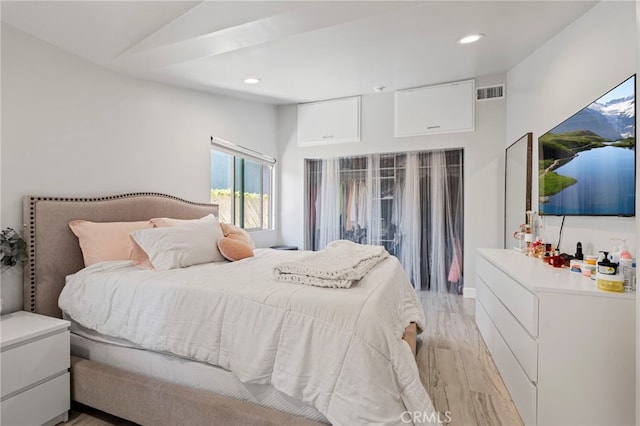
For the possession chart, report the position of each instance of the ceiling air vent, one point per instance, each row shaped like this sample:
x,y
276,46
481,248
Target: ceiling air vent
x,y
490,92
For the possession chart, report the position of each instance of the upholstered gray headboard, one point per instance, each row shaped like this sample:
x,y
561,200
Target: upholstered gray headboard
x,y
53,249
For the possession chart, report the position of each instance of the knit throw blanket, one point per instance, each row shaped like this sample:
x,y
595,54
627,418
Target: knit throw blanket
x,y
338,265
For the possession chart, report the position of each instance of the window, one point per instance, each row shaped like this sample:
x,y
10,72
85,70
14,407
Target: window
x,y
242,185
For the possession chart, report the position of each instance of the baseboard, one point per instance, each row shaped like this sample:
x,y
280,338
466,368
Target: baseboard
x,y
469,293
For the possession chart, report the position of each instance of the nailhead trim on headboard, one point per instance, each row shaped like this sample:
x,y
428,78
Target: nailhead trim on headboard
x,y
31,238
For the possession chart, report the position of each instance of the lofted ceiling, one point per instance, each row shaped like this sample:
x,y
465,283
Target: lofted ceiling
x,y
301,51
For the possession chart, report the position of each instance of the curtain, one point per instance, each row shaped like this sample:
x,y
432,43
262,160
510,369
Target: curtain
x,y
438,234
408,216
442,220
410,203
373,214
455,218
329,217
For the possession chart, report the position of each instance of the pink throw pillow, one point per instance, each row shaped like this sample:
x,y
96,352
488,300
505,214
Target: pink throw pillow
x,y
234,249
237,233
101,241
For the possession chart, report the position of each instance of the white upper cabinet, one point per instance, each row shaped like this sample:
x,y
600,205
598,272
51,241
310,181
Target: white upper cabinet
x,y
331,121
435,109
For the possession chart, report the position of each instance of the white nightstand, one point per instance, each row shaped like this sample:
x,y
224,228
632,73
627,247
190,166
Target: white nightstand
x,y
34,369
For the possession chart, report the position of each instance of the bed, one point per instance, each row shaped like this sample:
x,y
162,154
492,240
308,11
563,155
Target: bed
x,y
105,374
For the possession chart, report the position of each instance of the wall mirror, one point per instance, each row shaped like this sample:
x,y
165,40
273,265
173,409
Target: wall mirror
x,y
517,186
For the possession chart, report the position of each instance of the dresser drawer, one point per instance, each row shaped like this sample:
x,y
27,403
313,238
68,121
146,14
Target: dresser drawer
x,y
484,269
523,346
519,301
523,393
32,362
485,325
38,405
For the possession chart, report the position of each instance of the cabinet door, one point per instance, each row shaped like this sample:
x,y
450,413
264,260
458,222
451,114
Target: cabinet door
x,y
587,359
435,109
329,121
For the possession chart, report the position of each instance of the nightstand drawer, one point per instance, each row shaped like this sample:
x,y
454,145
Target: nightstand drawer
x,y
29,363
38,405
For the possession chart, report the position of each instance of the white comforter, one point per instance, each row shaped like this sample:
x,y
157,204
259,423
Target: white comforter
x,y
338,349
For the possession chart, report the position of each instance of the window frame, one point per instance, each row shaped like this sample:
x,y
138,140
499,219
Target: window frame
x,y
243,154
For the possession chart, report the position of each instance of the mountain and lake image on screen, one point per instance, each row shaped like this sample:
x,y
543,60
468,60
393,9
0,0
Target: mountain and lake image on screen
x,y
587,162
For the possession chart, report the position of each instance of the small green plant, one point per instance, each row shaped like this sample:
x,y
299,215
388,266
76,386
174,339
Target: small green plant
x,y
13,248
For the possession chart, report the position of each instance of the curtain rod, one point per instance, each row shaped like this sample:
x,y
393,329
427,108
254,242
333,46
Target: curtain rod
x,y
221,143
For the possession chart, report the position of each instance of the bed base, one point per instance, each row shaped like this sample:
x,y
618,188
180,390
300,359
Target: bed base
x,y
149,401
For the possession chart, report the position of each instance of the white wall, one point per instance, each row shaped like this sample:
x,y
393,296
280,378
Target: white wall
x,y
581,63
72,128
483,166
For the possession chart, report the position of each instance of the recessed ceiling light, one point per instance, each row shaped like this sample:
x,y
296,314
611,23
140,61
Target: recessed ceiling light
x,y
470,38
252,80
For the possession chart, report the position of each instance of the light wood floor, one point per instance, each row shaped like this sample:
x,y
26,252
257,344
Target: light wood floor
x,y
82,415
454,366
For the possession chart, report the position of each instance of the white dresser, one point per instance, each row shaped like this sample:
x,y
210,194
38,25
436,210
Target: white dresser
x,y
34,369
565,350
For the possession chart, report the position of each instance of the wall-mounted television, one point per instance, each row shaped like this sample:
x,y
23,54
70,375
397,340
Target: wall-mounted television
x,y
587,163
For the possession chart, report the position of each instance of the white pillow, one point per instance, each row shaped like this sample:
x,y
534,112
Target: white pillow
x,y
187,244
